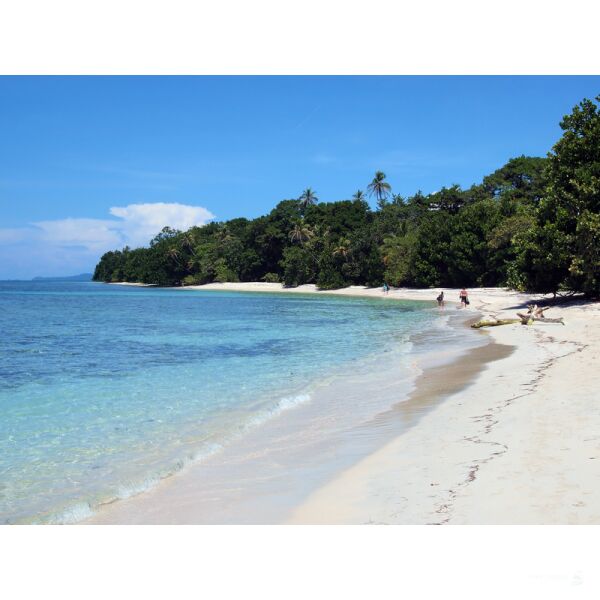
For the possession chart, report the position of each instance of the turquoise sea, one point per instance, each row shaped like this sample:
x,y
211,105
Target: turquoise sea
x,y
106,389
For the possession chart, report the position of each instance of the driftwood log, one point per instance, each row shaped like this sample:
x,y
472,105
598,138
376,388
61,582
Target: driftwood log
x,y
534,313
494,322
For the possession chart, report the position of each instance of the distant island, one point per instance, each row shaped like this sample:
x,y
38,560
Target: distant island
x,y
80,277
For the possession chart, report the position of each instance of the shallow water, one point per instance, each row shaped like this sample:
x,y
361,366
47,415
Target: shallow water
x,y
104,390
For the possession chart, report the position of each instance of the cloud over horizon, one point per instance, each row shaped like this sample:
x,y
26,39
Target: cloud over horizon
x,y
62,246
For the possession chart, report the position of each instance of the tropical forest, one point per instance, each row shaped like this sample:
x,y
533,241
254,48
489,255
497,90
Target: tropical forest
x,y
531,225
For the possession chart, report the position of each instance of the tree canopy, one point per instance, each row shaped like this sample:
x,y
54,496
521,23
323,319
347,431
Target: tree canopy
x,y
533,224
561,250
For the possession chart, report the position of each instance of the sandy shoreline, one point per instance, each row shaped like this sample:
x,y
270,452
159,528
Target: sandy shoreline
x,y
516,442
519,446
132,283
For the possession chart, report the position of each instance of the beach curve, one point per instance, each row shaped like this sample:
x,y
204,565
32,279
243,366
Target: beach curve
x,y
432,473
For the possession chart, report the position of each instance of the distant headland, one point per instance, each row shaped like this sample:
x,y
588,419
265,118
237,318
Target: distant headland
x,y
80,277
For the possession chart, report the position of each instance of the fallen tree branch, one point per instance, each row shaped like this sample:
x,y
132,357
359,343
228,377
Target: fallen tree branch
x,y
534,313
545,320
529,319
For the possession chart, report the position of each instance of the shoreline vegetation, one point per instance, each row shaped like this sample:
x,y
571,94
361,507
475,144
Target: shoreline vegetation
x,y
532,225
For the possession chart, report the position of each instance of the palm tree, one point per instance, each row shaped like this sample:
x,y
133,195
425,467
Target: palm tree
x,y
174,254
379,187
301,233
307,198
342,248
359,195
188,243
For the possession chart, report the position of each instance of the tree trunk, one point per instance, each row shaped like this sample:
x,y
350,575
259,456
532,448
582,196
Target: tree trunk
x,y
494,323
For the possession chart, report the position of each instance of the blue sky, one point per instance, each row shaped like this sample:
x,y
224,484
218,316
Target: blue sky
x,y
91,163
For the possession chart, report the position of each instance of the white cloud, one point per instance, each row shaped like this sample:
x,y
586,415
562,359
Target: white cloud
x,y
141,222
57,247
96,235
136,226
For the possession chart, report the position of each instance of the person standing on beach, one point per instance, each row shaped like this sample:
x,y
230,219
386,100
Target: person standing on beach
x,y
464,298
386,288
440,300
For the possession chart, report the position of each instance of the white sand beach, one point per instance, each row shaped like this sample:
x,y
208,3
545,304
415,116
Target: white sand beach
x,y
515,440
520,445
132,283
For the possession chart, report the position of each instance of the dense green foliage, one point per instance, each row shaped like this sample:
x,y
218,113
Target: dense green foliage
x,y
562,249
533,224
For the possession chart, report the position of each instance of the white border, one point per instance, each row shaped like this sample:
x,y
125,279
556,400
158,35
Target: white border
x,y
299,37
301,563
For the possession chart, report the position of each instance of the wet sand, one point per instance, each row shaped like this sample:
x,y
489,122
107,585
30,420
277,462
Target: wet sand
x,y
263,477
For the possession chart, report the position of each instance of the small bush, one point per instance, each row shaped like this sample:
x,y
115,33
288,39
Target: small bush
x,y
191,280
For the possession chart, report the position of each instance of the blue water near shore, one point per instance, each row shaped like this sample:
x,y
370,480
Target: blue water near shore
x,y
104,390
